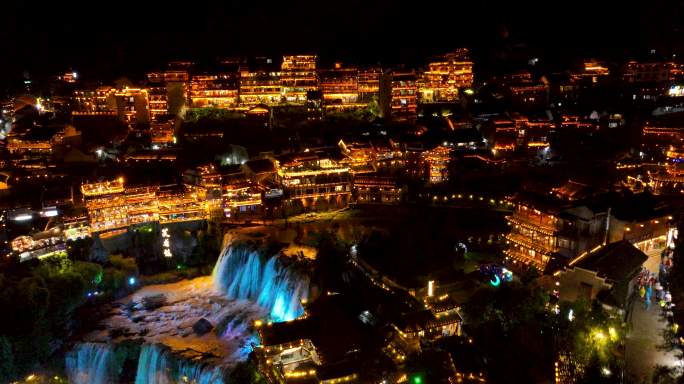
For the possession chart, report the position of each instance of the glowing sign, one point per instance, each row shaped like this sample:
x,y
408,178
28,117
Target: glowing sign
x,y
496,282
166,243
431,288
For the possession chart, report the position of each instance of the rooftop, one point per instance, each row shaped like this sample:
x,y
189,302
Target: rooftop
x,y
617,261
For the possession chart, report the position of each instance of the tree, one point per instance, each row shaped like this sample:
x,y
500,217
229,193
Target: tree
x,y
175,94
79,249
331,261
7,368
512,326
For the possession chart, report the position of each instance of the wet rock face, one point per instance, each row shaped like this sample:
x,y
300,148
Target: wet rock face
x,y
202,327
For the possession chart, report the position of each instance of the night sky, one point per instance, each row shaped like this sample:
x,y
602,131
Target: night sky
x,y
114,37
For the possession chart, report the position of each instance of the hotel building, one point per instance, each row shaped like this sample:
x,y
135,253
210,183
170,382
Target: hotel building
x,y
399,95
446,75
298,76
312,180
214,90
113,207
340,87
260,83
369,84
543,228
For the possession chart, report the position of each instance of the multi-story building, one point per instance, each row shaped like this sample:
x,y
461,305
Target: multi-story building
x,y
670,180
91,101
399,95
157,93
446,75
526,92
217,90
179,206
129,104
652,72
111,206
369,84
592,72
241,199
543,228
260,83
298,76
502,133
313,181
436,162
372,188
339,86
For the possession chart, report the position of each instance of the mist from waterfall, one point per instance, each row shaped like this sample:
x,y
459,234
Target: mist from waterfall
x,y
244,273
92,363
157,365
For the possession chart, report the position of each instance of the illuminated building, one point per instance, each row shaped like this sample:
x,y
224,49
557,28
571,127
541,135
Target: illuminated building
x,y
530,133
158,98
219,90
361,157
653,72
287,346
399,95
439,320
91,101
41,245
162,157
502,133
437,163
204,181
369,84
168,89
130,104
69,77
162,135
339,86
606,274
313,181
298,76
241,199
179,206
446,75
577,122
18,146
371,188
671,179
543,228
111,206
591,72
75,227
526,92
260,83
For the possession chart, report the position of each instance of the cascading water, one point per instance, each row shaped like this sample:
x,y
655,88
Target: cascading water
x,y
157,365
243,273
92,363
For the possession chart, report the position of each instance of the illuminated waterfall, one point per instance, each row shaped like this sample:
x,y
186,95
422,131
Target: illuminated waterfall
x,y
92,363
157,365
243,273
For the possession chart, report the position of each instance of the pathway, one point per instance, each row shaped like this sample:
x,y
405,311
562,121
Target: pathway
x,y
642,354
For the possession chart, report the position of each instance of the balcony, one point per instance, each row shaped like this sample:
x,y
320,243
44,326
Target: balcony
x,y
539,223
537,246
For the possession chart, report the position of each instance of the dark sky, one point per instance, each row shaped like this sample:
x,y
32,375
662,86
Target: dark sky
x,y
113,37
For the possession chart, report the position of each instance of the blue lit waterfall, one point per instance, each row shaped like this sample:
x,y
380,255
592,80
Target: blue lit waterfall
x,y
244,273
92,363
158,365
